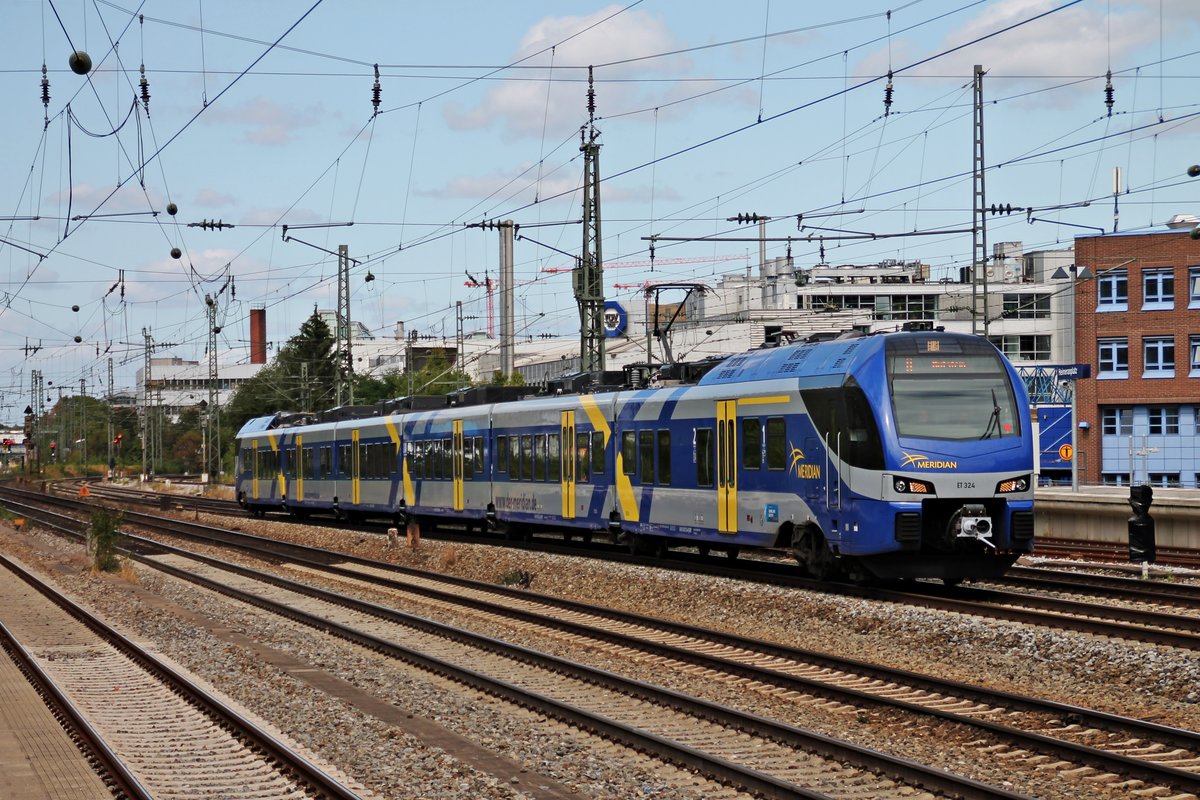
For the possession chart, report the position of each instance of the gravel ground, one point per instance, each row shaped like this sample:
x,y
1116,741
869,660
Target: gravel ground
x,y
1126,678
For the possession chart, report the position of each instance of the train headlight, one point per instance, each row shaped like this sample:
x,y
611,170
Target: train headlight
x,y
1018,484
912,486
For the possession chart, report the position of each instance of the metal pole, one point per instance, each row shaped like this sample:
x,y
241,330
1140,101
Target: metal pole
x,y
506,298
1074,391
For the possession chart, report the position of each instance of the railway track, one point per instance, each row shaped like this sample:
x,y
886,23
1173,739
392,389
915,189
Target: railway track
x,y
1097,743
160,733
1115,553
1110,619
753,753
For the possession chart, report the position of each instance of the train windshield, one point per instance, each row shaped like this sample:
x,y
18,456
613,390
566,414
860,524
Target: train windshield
x,y
952,389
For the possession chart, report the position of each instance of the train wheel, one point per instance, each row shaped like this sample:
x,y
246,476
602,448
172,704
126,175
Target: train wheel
x,y
813,554
731,552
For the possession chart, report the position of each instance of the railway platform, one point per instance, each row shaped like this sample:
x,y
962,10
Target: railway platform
x,y
1101,514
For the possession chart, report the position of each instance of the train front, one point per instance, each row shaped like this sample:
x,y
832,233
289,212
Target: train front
x,y
958,458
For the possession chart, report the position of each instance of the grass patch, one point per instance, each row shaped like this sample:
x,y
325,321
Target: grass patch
x,y
518,577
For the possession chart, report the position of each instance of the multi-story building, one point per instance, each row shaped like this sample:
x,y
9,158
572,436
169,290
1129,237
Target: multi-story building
x,y
1138,327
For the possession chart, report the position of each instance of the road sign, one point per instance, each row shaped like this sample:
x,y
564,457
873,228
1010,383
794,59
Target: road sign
x,y
1065,452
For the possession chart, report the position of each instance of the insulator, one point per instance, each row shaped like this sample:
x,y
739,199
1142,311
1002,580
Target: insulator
x,y
375,91
1108,93
887,96
145,84
45,88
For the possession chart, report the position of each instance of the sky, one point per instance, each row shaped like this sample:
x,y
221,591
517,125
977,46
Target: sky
x,y
261,115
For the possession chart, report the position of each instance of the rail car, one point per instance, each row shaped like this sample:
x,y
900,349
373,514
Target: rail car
x,y
886,456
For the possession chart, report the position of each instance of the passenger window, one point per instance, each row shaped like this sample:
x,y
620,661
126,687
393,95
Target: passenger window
x,y
664,457
597,452
629,452
527,457
501,454
539,457
514,457
751,443
477,454
704,457
447,460
553,458
646,454
344,460
776,443
582,459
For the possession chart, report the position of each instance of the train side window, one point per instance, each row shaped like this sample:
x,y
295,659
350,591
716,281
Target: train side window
x,y
514,457
433,453
293,454
447,460
326,461
539,457
381,468
553,458
344,460
704,457
527,456
426,467
364,461
776,443
629,452
597,452
751,443
664,457
646,456
501,454
582,459
477,454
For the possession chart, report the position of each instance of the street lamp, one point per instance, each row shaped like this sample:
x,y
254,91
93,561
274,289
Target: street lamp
x,y
1075,273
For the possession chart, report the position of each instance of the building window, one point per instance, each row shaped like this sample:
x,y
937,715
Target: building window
x,y
1194,349
1118,421
1164,479
1033,347
1115,479
1114,358
1026,306
1193,287
1113,291
1158,288
1164,420
1158,356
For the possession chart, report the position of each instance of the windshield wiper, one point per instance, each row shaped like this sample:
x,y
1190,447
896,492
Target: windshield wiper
x,y
993,419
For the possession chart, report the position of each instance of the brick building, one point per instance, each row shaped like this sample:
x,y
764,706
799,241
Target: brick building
x,y
1138,326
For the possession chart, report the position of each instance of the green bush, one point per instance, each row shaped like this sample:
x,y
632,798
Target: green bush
x,y
102,539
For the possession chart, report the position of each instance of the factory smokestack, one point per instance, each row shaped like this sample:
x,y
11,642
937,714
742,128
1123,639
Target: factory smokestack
x,y
258,336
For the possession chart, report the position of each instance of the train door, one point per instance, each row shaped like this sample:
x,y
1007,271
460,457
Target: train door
x,y
727,509
567,451
355,463
456,461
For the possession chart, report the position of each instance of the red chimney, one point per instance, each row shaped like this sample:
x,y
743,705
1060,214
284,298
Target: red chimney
x,y
258,336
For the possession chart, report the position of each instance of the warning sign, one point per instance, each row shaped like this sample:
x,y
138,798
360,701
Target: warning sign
x,y
1065,452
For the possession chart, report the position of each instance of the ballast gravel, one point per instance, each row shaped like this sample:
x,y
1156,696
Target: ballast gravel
x,y
1147,681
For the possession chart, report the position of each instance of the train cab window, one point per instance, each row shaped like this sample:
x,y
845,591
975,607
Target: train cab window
x,y
597,453
582,459
664,457
539,457
245,461
776,443
704,456
646,456
629,452
447,460
553,458
527,456
751,443
501,454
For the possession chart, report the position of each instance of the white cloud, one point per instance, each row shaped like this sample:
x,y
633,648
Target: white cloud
x,y
263,121
521,105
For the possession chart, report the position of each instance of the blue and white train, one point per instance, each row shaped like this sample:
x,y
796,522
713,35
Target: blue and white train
x,y
888,456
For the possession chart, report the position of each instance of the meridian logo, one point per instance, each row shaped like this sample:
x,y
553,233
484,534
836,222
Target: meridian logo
x,y
798,466
923,462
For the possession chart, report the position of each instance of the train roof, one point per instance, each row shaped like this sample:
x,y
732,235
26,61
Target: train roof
x,y
811,360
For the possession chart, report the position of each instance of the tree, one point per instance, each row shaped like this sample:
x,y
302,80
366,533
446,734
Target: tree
x,y
188,450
